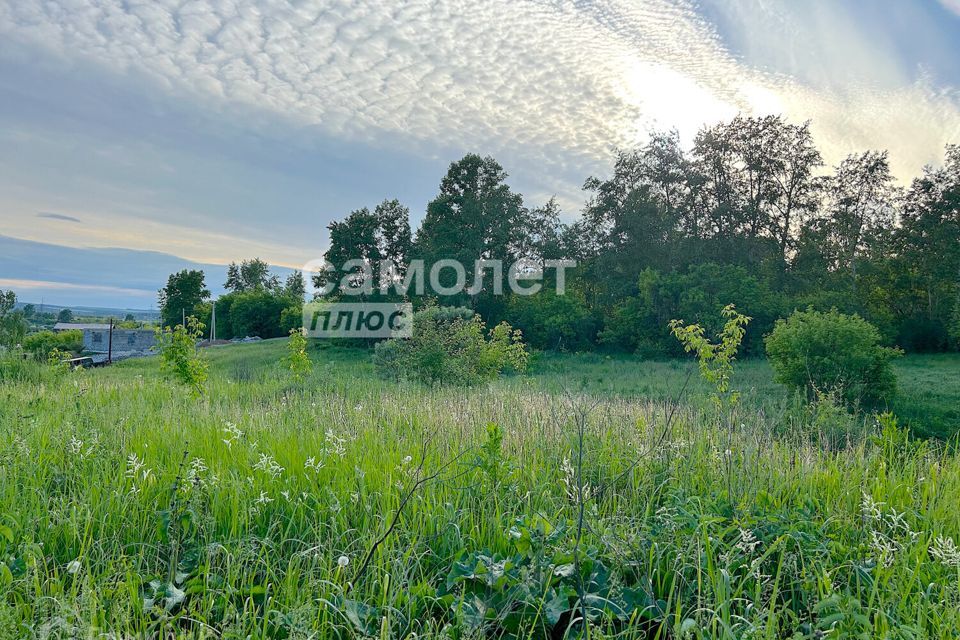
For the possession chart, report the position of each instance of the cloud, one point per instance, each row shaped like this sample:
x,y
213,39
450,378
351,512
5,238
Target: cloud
x,y
58,216
546,86
951,5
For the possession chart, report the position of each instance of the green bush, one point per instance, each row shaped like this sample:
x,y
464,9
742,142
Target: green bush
x,y
43,343
830,352
180,360
556,322
451,345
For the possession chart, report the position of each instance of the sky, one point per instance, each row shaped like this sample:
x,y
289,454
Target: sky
x,y
196,132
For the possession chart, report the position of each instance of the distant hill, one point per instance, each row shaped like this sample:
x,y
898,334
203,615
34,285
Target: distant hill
x,y
83,277
147,315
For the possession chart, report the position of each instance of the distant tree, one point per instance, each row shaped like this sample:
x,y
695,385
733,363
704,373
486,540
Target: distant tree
x,y
295,287
129,318
185,290
250,275
13,325
362,240
927,250
354,251
253,313
65,315
758,174
860,209
29,310
394,238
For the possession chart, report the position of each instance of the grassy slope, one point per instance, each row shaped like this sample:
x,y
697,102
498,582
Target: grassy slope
x,y
259,552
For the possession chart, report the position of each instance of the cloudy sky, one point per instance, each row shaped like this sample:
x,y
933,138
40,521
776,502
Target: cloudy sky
x,y
213,130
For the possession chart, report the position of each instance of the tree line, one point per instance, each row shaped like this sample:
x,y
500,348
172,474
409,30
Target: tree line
x,y
749,215
257,303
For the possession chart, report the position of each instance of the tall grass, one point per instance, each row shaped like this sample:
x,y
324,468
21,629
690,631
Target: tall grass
x,y
136,510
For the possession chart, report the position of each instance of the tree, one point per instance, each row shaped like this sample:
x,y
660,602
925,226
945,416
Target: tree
x,y
475,216
185,290
250,275
295,287
927,256
360,244
13,325
254,313
65,315
860,199
758,174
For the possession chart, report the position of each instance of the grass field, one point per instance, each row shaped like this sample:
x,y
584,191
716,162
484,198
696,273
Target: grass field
x,y
348,506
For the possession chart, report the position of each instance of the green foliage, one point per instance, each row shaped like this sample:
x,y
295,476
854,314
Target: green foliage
x,y
639,323
818,352
954,328
13,324
297,360
371,237
251,275
180,359
451,345
182,296
256,312
715,359
14,367
551,321
42,343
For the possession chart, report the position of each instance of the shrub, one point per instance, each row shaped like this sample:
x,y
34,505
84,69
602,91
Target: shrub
x,y
297,359
451,345
179,357
827,352
43,343
715,359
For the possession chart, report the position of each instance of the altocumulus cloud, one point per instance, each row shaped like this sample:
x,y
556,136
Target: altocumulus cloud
x,y
552,84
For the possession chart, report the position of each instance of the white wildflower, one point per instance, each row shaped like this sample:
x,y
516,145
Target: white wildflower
x,y
233,434
334,444
945,551
570,481
75,446
343,561
748,542
73,566
267,464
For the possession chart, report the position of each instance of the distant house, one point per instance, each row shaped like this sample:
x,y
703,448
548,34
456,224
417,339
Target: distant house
x,y
126,342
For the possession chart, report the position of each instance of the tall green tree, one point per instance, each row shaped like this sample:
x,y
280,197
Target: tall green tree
x,y
184,292
475,216
250,275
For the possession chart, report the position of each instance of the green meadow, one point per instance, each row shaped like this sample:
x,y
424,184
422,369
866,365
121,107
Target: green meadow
x,y
593,488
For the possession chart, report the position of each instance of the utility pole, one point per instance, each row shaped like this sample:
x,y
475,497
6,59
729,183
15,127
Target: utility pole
x,y
213,321
110,344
